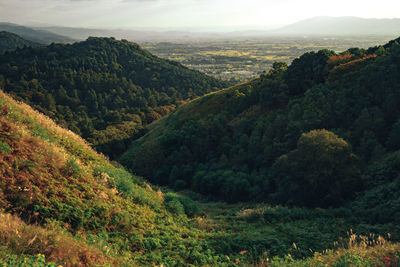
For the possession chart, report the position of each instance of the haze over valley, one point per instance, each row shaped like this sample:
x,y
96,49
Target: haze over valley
x,y
234,55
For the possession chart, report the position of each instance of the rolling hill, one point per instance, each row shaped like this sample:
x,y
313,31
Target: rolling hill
x,y
10,42
37,36
314,134
61,203
62,200
101,88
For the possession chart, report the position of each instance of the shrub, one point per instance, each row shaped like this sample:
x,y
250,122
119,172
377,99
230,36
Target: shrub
x,y
189,205
180,204
72,167
5,149
175,206
348,259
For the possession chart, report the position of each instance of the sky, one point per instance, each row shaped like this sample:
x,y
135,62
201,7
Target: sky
x,y
207,15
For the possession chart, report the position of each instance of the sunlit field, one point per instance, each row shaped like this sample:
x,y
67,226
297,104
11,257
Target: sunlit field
x,y
246,58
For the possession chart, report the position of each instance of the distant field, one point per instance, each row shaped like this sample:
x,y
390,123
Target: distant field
x,y
243,59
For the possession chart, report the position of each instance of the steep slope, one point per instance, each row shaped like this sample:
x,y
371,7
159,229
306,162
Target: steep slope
x,y
342,26
10,42
101,88
257,141
90,211
37,36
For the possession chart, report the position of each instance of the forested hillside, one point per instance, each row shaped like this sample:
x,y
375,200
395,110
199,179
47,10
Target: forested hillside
x,y
102,89
62,204
318,133
10,42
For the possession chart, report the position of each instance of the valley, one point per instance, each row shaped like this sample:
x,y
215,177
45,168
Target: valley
x,y
238,59
286,154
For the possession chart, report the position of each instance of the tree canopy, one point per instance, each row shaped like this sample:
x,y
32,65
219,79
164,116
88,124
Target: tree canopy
x,y
101,88
237,137
320,172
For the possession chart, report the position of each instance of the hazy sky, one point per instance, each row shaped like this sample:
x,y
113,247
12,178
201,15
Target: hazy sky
x,y
180,14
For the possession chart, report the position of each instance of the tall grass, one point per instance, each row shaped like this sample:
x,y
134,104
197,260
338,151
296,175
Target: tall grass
x,y
56,245
355,251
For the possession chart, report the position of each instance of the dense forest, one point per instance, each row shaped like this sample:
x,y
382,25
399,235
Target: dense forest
x,y
316,144
10,42
317,133
103,89
62,204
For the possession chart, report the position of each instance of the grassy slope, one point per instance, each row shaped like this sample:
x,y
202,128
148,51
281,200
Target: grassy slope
x,y
51,176
91,212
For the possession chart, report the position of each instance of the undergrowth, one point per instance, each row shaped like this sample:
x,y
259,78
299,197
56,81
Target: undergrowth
x,y
63,203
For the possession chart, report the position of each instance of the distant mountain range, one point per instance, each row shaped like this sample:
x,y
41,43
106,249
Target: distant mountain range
x,y
130,34
10,42
342,26
35,35
313,26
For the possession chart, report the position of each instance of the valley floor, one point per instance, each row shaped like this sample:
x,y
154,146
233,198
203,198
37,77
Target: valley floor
x,y
241,232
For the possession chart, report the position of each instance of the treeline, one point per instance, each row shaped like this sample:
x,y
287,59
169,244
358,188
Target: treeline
x,y
307,134
102,89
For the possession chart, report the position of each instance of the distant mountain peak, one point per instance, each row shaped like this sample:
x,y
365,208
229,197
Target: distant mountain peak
x,y
346,25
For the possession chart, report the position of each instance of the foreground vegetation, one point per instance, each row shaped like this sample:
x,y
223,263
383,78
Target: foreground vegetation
x,y
71,206
52,177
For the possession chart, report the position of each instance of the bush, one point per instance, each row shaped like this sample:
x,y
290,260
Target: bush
x,y
189,205
72,167
5,149
175,206
349,259
180,204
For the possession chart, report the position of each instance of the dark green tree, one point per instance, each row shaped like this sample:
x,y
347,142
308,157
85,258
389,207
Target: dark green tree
x,y
320,172
307,71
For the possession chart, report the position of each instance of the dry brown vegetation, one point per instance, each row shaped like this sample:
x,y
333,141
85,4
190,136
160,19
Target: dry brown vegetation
x,y
56,245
